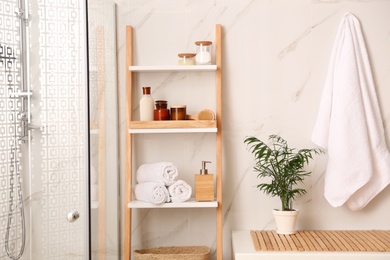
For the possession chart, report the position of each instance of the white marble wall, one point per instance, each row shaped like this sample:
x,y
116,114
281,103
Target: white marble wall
x,y
275,59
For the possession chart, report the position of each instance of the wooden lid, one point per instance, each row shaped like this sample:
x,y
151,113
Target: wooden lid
x,y
146,90
203,43
186,55
179,106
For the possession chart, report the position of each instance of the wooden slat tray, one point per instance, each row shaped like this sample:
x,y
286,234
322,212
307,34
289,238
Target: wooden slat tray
x,y
323,241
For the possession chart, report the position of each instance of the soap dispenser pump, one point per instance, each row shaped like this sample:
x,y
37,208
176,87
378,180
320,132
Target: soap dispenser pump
x,y
204,184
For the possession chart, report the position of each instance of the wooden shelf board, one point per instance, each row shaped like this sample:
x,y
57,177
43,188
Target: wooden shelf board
x,y
135,204
173,68
174,126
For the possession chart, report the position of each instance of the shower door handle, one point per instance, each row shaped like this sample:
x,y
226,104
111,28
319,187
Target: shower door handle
x,y
73,216
20,94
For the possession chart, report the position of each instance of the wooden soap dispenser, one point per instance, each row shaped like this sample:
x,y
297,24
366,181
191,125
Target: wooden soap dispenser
x,y
204,184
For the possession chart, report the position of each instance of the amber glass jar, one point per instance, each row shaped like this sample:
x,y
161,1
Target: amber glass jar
x,y
178,112
161,112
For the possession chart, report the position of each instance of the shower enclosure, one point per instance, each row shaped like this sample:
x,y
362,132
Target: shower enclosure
x,y
46,210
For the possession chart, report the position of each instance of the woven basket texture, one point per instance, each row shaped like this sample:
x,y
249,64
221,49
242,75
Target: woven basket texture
x,y
173,253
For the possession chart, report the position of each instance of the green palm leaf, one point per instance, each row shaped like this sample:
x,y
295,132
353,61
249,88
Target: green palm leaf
x,y
283,165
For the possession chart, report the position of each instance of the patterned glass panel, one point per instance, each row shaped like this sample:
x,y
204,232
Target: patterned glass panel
x,y
58,163
51,162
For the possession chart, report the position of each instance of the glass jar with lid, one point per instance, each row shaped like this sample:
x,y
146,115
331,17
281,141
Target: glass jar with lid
x,y
178,112
203,52
161,112
186,58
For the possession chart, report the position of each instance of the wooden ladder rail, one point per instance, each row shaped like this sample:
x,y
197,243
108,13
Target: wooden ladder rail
x,y
218,83
128,153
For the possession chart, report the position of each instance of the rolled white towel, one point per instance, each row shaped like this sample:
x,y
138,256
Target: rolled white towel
x,y
180,191
165,172
153,192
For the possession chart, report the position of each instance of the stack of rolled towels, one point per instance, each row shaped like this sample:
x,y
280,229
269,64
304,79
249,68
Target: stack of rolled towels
x,y
158,183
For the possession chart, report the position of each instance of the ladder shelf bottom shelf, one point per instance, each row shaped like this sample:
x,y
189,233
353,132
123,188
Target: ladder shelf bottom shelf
x,y
191,203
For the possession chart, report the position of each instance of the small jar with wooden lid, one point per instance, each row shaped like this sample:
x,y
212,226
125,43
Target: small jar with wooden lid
x,y
186,58
203,52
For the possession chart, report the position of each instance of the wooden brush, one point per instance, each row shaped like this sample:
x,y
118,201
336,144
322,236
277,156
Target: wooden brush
x,y
205,114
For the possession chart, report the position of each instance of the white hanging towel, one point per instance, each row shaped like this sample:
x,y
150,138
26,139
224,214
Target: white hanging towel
x,y
349,124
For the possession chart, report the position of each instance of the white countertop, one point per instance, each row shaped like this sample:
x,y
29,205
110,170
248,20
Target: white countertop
x,y
243,249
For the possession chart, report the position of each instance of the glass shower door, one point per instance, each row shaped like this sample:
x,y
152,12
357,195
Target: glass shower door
x,y
44,130
103,116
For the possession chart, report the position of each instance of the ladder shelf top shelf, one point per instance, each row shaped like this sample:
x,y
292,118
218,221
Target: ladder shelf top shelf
x,y
173,68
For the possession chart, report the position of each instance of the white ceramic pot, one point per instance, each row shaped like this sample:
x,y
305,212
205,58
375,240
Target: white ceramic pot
x,y
285,221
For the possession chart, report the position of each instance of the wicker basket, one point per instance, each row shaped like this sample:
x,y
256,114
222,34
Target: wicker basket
x,y
173,253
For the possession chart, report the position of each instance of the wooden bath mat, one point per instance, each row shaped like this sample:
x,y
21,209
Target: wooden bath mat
x,y
323,240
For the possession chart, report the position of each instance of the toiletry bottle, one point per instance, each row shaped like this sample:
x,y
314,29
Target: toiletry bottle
x,y
146,105
204,184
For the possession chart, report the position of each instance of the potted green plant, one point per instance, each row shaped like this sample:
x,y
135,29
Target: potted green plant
x,y
284,168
